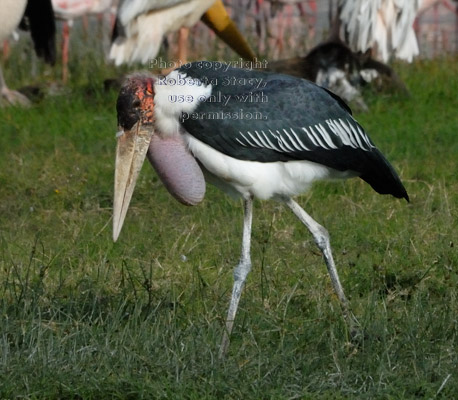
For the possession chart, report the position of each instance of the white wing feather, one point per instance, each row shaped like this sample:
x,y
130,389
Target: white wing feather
x,y
131,9
147,21
385,25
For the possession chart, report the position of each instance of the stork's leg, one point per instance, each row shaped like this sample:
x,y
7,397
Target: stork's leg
x,y
240,273
65,47
6,50
321,236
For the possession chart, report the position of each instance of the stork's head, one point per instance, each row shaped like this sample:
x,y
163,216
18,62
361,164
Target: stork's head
x,y
136,102
135,109
144,107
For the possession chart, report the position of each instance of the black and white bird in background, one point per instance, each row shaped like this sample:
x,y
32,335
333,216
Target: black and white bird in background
x,y
364,37
334,66
36,16
251,133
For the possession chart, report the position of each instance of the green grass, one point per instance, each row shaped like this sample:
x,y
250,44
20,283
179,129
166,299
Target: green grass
x,y
83,318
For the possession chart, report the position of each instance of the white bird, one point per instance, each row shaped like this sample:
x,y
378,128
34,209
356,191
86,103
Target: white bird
x,y
142,24
72,9
69,10
252,134
383,25
40,21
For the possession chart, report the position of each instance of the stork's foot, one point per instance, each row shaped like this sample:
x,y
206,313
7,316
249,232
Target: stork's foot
x,y
14,98
354,327
356,336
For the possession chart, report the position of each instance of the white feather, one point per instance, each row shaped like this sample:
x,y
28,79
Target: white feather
x,y
169,91
130,9
146,22
385,25
240,178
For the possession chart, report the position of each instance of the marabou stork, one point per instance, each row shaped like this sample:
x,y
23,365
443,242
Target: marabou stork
x,y
250,133
142,24
37,16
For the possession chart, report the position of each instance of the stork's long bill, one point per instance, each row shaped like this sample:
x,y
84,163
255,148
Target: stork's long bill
x,y
135,121
137,138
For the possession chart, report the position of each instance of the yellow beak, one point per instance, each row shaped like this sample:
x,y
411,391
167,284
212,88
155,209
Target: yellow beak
x,y
217,19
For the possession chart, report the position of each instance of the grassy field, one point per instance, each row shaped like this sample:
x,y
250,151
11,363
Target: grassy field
x,y
83,318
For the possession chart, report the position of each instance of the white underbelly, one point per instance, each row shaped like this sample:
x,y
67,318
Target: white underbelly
x,y
261,180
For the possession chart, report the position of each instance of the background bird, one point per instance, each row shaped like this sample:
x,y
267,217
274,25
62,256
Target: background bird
x,y
333,65
69,10
347,60
251,133
37,16
386,26
142,24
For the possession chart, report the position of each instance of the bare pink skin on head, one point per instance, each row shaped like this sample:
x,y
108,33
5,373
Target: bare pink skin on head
x,y
177,169
175,165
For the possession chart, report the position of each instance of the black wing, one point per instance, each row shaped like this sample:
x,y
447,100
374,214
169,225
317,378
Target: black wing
x,y
265,117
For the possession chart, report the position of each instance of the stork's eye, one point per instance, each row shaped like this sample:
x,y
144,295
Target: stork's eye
x,y
136,103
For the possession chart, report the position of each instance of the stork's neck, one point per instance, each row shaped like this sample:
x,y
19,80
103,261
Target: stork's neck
x,y
176,94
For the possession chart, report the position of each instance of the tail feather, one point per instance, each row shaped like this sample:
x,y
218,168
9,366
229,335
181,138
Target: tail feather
x,y
383,178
